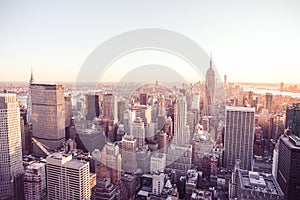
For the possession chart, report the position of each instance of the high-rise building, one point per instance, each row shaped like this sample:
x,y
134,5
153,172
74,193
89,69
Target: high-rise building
x,y
143,99
181,130
48,115
35,181
111,158
269,97
144,112
129,116
110,107
277,124
239,136
129,145
67,178
293,119
92,106
158,162
29,102
138,131
11,167
210,88
288,171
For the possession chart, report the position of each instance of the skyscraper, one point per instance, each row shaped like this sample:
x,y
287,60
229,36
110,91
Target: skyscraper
x,y
181,130
48,115
11,149
293,119
210,88
129,146
29,103
35,181
239,136
111,158
67,178
92,106
269,97
110,107
288,166
138,131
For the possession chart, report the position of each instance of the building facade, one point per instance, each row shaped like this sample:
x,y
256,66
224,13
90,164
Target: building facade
x,y
48,115
67,178
239,136
288,171
11,167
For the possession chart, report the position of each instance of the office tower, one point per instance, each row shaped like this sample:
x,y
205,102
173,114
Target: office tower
x,y
92,106
143,99
129,116
110,107
158,162
195,101
179,158
35,181
11,168
277,124
181,130
158,180
288,166
239,136
111,158
275,160
202,145
162,106
29,102
143,157
48,115
225,79
160,122
138,131
144,112
210,88
121,109
129,145
293,119
67,178
250,98
68,110
132,183
269,97
109,184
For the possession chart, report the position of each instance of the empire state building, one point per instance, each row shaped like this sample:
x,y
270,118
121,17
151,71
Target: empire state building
x,y
209,89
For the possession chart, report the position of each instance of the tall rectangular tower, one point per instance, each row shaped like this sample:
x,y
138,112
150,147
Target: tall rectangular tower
x,y
48,114
239,136
92,106
11,149
288,171
67,178
293,119
181,130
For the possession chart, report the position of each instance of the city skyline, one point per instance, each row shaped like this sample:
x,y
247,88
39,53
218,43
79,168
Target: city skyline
x,y
251,42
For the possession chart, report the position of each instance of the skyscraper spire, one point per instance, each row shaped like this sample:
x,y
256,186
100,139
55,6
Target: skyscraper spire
x,y
31,77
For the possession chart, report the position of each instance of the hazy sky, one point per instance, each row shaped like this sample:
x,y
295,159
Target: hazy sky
x,y
251,41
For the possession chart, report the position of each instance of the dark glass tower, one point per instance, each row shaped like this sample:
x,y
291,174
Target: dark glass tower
x,y
289,166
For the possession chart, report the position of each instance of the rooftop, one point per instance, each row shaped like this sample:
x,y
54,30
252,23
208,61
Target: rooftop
x,y
259,182
240,108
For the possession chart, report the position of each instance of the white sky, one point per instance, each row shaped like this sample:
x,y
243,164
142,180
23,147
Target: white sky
x,y
251,41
